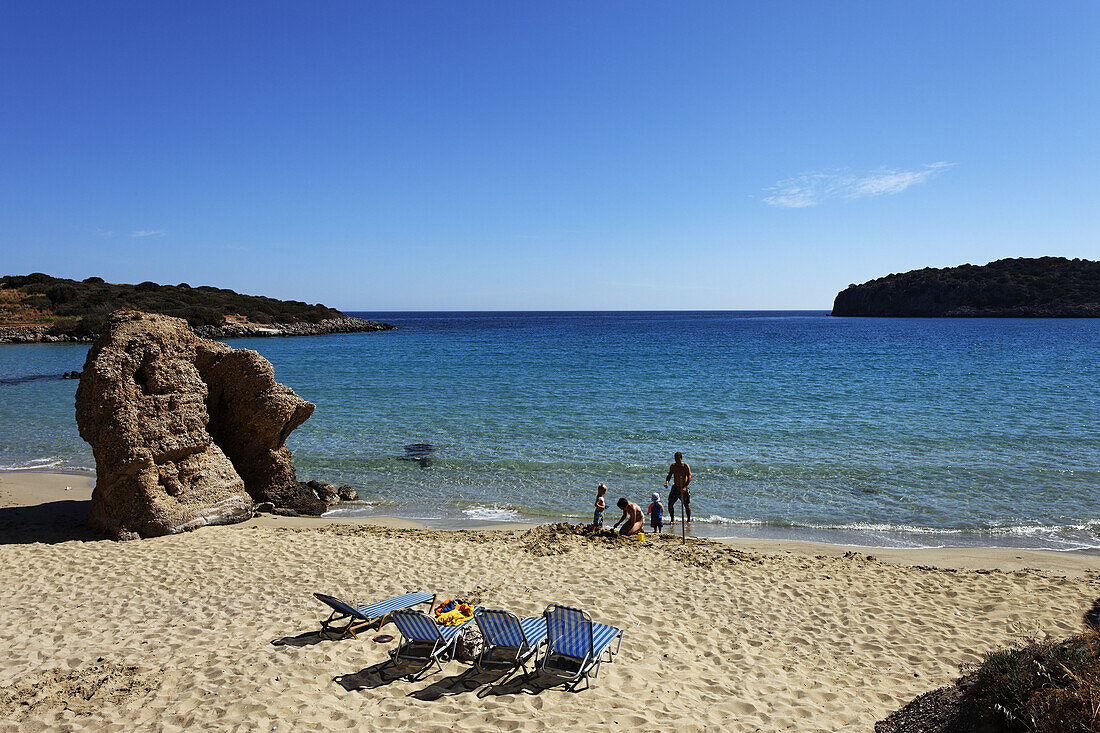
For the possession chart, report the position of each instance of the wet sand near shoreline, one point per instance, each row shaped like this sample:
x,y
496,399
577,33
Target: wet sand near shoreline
x,y
217,627
48,491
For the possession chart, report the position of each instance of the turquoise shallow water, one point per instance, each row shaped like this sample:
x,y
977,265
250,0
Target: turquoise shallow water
x,y
904,432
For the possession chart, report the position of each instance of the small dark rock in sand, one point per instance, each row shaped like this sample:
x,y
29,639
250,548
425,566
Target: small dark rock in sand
x,y
330,494
324,492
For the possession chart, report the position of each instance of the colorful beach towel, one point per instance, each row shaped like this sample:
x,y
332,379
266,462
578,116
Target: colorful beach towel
x,y
453,613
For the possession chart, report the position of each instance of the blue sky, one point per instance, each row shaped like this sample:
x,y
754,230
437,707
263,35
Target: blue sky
x,y
556,155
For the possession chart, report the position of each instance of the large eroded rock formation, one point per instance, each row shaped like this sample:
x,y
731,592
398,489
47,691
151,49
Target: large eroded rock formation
x,y
185,431
251,416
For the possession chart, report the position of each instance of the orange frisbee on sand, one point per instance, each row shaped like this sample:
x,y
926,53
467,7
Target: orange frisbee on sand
x,y
383,638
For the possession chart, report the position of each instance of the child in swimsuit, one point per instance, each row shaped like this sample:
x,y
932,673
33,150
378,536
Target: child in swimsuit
x,y
656,513
597,516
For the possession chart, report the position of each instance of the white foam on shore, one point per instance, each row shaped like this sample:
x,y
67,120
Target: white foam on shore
x,y
351,509
716,519
491,514
1066,537
35,464
1023,529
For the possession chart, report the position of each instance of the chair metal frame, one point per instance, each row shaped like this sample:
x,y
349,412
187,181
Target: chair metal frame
x,y
418,654
579,668
520,655
357,620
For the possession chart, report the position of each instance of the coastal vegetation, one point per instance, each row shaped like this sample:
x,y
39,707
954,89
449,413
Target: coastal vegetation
x,y
1048,686
1043,687
1050,287
80,307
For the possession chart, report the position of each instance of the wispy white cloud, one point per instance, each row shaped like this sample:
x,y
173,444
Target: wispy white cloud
x,y
147,233
101,232
811,189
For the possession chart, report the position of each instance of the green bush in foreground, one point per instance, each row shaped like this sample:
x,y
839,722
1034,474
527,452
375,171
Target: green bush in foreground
x,y
1043,687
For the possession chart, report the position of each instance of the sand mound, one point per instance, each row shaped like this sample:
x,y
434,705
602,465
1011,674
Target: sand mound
x,y
80,690
558,539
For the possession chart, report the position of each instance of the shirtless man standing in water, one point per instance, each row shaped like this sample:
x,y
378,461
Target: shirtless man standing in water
x,y
680,475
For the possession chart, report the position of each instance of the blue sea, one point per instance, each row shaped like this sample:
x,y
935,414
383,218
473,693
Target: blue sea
x,y
880,432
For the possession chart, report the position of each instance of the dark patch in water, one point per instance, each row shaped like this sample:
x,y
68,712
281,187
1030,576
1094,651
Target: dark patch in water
x,y
35,378
419,452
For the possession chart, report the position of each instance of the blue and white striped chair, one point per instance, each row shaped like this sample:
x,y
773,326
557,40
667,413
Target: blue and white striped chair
x,y
424,641
361,616
575,646
509,641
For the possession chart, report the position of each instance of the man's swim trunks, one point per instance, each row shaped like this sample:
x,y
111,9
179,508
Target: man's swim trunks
x,y
678,494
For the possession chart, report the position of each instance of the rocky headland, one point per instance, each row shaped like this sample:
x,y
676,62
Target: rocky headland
x,y
187,431
39,308
1042,287
345,324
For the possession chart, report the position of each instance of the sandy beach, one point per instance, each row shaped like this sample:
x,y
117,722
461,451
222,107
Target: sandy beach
x,y
216,629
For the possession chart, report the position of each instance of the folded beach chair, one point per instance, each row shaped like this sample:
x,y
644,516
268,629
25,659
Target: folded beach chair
x,y
509,641
575,646
361,616
424,641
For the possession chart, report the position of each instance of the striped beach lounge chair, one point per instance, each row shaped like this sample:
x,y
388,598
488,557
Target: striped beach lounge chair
x,y
360,616
509,641
423,642
575,646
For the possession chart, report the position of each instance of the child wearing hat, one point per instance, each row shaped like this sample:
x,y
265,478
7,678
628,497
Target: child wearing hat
x,y
656,513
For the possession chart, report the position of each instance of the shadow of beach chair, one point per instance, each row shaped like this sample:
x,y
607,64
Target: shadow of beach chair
x,y
361,616
509,641
575,646
424,642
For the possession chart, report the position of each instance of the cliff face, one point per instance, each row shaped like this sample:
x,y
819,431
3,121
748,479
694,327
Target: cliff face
x,y
141,405
186,431
1043,287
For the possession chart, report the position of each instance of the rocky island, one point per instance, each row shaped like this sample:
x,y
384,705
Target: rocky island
x,y
38,307
1040,287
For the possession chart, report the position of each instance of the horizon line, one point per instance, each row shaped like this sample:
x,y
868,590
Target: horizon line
x,y
591,310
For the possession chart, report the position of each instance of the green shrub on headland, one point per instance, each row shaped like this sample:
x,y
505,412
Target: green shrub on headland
x,y
80,307
1050,287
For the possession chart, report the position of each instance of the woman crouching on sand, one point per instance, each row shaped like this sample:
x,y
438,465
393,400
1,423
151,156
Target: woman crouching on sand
x,y
632,516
